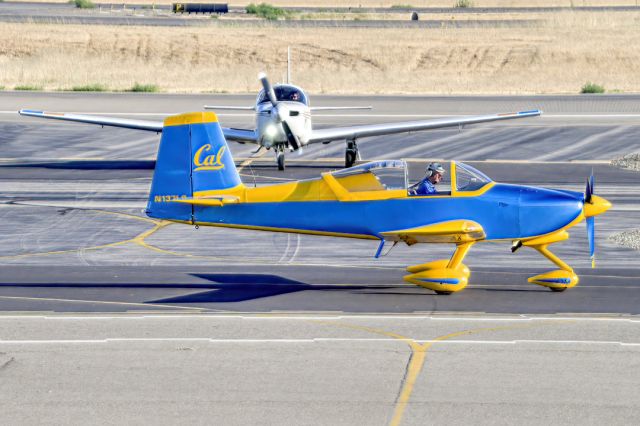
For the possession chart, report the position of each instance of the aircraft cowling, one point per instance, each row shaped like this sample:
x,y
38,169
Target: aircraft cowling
x,y
545,210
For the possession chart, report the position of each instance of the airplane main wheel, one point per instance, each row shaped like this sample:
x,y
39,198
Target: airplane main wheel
x,y
558,289
280,159
350,156
443,293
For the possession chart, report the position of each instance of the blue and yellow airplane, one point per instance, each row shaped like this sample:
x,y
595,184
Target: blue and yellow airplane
x,y
196,182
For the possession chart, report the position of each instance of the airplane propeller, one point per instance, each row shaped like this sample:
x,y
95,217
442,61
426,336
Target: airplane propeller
x,y
268,89
589,190
279,111
591,220
593,206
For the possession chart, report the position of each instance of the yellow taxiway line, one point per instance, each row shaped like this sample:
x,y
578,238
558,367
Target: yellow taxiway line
x,y
418,356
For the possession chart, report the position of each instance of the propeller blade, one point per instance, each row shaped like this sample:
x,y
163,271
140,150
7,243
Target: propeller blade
x,y
268,89
591,235
293,140
589,190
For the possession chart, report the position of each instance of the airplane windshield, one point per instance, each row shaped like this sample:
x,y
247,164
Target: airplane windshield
x,y
285,93
469,179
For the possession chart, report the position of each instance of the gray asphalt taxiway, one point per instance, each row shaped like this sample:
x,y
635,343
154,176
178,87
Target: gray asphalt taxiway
x,y
110,317
73,231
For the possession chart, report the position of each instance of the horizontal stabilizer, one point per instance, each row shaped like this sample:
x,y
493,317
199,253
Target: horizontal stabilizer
x,y
230,108
455,231
210,201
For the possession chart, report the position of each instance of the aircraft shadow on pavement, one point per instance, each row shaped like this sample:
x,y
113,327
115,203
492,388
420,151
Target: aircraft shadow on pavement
x,y
224,288
231,288
89,165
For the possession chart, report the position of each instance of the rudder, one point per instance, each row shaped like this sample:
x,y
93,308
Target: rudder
x,y
193,160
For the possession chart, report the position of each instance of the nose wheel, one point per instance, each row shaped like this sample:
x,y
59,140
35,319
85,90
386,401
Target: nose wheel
x,y
280,158
560,279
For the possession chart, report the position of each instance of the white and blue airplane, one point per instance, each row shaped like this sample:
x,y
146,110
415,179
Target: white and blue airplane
x,y
283,122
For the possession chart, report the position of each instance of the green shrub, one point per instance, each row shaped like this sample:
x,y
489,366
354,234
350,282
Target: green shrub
x,y
592,88
144,88
267,11
27,87
90,88
463,3
84,4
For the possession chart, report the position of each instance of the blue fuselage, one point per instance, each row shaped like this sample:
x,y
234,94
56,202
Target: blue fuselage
x,y
504,212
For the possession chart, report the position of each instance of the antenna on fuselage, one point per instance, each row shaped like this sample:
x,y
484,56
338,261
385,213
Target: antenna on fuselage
x,y
288,64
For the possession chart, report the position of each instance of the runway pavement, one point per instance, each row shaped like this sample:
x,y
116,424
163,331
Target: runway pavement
x,y
111,317
318,370
73,197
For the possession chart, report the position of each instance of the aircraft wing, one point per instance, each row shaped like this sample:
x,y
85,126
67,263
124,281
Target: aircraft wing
x,y
454,231
238,135
230,108
153,126
360,131
330,108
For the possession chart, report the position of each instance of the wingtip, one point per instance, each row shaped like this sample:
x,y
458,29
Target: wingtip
x,y
29,111
531,112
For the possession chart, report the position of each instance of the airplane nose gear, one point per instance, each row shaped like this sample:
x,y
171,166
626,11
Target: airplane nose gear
x,y
560,279
444,276
351,154
280,157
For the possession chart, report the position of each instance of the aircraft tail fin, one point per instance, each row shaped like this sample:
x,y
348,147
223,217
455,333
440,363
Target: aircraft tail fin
x,y
193,161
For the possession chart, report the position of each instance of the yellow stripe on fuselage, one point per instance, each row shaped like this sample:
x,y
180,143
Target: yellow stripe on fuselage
x,y
275,229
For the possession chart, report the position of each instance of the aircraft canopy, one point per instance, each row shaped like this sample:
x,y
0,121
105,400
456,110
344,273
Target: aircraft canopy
x,y
285,92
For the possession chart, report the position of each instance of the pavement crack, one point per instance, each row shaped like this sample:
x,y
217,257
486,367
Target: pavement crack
x,y
404,379
6,364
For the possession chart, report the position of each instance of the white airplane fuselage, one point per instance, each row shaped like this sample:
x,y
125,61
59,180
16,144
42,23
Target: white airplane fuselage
x,y
271,121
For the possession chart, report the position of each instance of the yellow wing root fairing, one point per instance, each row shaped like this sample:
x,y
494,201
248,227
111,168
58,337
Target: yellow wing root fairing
x,y
455,231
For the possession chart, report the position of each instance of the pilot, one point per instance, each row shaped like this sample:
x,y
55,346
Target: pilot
x,y
427,185
295,96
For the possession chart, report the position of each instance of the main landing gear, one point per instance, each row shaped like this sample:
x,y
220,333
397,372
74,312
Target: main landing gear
x,y
444,276
351,154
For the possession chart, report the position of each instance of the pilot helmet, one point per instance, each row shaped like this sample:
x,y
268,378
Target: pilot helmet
x,y
435,168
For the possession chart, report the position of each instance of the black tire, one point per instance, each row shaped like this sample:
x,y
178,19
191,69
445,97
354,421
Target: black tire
x,y
443,293
280,159
558,290
350,157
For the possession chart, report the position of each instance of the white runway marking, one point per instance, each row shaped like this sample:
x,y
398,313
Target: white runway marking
x,y
311,340
300,317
